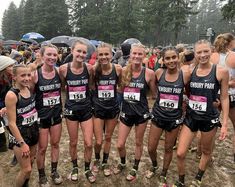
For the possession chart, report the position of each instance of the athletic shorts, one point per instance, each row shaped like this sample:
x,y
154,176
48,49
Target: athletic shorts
x,y
131,120
49,122
106,114
29,134
201,125
167,125
79,115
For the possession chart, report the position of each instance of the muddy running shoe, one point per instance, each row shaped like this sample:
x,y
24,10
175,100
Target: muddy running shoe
x,y
162,181
90,176
120,167
73,176
96,166
195,183
43,182
178,184
13,161
151,172
106,169
132,175
56,178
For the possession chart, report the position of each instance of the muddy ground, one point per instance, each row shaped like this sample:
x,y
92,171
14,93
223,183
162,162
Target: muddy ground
x,y
220,174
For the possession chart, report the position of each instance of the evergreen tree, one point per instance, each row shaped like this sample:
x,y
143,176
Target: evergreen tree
x,y
28,16
228,10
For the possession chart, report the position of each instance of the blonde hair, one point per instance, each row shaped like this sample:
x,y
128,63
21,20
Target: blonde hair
x,y
98,70
78,42
222,42
43,48
127,74
15,70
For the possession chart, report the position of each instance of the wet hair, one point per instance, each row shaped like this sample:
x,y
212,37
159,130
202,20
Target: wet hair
x,y
168,48
78,42
98,70
127,75
43,48
222,42
202,42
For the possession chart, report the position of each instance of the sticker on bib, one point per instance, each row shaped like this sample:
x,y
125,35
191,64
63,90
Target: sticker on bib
x,y
106,91
131,94
51,98
77,93
30,117
169,101
198,103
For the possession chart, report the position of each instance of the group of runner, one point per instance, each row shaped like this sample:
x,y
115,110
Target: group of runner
x,y
97,95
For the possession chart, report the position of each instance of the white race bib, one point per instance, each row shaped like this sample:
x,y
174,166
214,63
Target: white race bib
x,y
30,117
169,101
106,91
51,98
131,94
198,103
77,93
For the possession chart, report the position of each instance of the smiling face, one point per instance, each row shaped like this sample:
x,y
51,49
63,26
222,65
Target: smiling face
x,y
22,76
202,53
79,52
50,56
137,55
171,59
104,55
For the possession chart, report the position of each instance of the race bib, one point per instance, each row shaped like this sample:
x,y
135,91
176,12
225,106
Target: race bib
x,y
198,103
106,91
169,101
131,94
51,98
30,117
77,93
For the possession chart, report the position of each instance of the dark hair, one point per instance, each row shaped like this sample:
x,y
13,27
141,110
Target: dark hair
x,y
168,48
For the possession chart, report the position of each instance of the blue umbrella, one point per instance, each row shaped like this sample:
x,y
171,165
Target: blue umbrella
x,y
33,35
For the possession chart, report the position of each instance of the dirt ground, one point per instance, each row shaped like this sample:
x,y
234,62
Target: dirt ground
x,y
220,174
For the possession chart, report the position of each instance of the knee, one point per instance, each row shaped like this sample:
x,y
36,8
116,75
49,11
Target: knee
x,y
181,155
42,150
73,144
138,144
55,145
151,150
206,151
108,138
98,143
88,144
120,146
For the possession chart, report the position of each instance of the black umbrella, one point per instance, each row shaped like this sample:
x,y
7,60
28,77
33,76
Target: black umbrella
x,y
29,41
91,48
11,42
60,41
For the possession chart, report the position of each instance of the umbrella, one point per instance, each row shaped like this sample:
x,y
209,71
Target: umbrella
x,y
91,48
132,41
11,42
47,42
29,41
95,42
33,35
60,41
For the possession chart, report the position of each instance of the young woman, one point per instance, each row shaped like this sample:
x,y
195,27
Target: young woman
x,y
134,110
48,103
106,108
22,117
78,107
202,115
167,110
224,56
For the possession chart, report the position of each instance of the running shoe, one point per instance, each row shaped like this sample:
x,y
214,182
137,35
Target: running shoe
x,y
120,167
56,178
90,176
151,172
96,166
73,176
162,181
178,184
196,183
43,182
132,175
106,169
